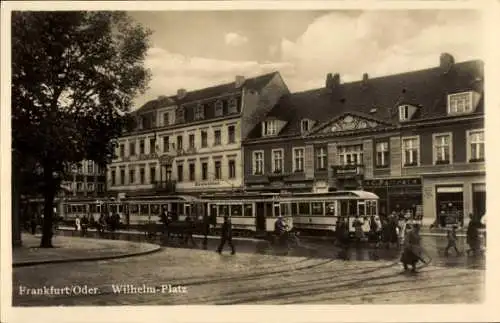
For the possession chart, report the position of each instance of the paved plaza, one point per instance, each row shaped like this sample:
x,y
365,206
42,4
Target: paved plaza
x,y
193,276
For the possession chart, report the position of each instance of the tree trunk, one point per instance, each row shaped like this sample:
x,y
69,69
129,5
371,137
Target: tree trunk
x,y
48,212
16,210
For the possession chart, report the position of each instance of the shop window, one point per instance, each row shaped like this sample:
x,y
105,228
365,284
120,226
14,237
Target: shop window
x,y
449,205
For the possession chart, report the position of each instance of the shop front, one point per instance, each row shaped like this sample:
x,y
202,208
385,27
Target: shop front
x,y
397,194
452,200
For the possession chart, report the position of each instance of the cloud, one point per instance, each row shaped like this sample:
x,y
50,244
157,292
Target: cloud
x,y
379,43
172,71
234,39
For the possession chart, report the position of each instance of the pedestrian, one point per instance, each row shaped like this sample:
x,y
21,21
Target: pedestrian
x,y
78,224
226,235
33,223
473,236
206,230
188,231
412,249
358,230
452,240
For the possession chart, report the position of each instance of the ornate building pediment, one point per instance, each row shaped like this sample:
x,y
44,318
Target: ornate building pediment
x,y
350,122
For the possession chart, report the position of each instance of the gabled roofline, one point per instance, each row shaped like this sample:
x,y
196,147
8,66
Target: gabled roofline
x,y
345,113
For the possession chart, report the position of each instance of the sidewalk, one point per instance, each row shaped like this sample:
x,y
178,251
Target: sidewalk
x,y
72,249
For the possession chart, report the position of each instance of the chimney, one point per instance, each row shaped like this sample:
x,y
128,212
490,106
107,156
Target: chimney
x,y
332,81
446,62
239,80
181,93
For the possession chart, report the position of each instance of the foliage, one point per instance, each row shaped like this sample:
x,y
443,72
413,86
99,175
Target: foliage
x,y
74,77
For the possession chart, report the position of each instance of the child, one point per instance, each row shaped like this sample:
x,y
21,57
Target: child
x,y
452,240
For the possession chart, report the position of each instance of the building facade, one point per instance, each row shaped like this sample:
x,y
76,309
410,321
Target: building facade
x,y
85,179
191,142
416,139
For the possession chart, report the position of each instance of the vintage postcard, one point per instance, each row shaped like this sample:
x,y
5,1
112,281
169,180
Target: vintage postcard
x,y
161,159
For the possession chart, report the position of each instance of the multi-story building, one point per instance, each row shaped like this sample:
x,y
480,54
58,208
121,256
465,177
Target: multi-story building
x,y
416,139
85,179
191,142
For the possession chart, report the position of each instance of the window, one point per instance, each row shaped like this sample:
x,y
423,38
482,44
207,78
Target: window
x,y
80,168
191,172
122,150
142,175
304,208
248,210
298,159
122,176
269,128
100,187
199,112
218,108
404,113
350,155
217,169
179,115
321,158
236,210
204,171
166,118
131,176
460,103
191,141
141,147
233,106
304,126
217,138
179,143
166,144
382,150
277,160
442,148
258,162
180,173
90,167
231,165
152,174
317,208
330,208
230,135
204,139
410,151
132,149
113,177
152,145
476,145
79,187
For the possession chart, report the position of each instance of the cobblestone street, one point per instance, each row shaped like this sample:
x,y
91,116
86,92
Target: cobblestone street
x,y
246,278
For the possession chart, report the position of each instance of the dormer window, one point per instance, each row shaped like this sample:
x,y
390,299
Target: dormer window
x,y
269,128
305,125
218,108
404,113
199,112
459,103
180,114
233,106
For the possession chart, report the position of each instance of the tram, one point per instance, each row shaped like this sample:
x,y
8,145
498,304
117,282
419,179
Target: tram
x,y
320,212
251,214
315,213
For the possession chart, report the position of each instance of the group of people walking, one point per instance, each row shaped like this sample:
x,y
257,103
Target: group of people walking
x,y
106,222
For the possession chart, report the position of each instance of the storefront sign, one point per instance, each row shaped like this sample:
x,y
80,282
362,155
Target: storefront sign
x,y
347,170
209,183
392,182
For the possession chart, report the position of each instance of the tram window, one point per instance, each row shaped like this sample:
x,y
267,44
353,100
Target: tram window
x,y
120,208
361,209
143,207
92,208
223,210
134,208
330,208
285,209
98,208
236,210
304,209
294,209
317,208
113,209
373,207
213,210
353,207
248,210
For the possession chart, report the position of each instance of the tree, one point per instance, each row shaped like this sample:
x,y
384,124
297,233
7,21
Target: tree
x,y
74,77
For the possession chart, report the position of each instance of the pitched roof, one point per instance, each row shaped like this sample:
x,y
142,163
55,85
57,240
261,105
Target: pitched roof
x,y
255,83
427,89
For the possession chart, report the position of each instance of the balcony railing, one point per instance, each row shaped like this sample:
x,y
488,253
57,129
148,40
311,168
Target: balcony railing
x,y
348,171
168,186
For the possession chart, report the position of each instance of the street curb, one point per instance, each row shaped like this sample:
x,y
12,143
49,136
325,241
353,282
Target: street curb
x,y
61,261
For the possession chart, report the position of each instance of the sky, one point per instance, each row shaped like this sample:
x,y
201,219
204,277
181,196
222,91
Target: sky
x,y
196,49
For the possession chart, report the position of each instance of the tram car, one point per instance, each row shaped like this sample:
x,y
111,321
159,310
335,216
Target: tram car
x,y
319,213
251,214
311,213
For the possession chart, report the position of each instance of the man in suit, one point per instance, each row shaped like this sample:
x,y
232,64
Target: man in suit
x,y
226,235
